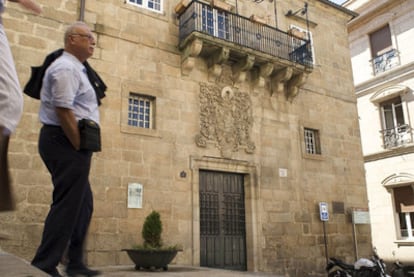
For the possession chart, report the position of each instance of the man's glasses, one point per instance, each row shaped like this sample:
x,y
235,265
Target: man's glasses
x,y
89,36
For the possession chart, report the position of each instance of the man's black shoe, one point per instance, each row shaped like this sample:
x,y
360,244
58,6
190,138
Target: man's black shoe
x,y
52,272
84,271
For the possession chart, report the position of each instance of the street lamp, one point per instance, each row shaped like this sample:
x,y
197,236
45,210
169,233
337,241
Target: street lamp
x,y
303,11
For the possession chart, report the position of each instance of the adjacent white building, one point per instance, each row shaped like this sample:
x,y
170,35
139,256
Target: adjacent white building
x,y
381,43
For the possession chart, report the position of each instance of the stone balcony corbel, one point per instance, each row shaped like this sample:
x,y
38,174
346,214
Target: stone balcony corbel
x,y
279,80
265,70
294,84
190,53
216,60
241,67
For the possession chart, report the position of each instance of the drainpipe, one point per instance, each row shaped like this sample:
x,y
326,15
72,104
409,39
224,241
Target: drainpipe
x,y
275,11
82,10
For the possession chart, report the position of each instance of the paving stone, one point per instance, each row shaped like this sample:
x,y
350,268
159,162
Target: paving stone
x,y
12,266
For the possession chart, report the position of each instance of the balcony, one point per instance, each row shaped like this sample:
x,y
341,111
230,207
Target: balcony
x,y
214,33
386,61
397,136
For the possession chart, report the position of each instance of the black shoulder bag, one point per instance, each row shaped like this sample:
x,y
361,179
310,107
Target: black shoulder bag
x,y
90,135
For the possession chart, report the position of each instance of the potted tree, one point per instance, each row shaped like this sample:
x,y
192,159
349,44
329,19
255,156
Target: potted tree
x,y
152,254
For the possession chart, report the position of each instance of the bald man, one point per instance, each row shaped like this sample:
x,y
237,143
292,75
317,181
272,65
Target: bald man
x,y
67,96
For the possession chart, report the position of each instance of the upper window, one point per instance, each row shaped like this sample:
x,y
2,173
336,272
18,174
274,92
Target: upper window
x,y
395,131
215,22
383,55
140,110
303,44
312,143
154,5
404,206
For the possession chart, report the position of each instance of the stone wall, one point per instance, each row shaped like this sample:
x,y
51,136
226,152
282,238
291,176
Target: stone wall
x,y
137,52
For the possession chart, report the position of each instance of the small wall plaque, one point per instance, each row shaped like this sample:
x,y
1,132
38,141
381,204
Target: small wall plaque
x,y
283,172
338,207
135,192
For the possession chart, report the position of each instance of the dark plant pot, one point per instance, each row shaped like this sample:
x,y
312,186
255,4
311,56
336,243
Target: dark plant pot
x,y
151,259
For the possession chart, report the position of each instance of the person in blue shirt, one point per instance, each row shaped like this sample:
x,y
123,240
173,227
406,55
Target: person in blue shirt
x,y
11,104
66,97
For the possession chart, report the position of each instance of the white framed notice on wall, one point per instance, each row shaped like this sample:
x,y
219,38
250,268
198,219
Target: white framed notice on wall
x,y
135,192
360,216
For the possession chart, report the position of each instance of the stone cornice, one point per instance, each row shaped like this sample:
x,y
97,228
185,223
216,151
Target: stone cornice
x,y
389,153
341,8
393,76
373,12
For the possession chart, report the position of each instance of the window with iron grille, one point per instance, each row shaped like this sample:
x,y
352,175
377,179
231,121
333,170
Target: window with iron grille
x,y
384,56
312,143
153,5
140,110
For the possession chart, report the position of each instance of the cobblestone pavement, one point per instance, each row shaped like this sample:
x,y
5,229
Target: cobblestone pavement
x,y
177,271
12,266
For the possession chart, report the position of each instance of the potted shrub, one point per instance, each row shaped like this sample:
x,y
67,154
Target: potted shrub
x,y
152,254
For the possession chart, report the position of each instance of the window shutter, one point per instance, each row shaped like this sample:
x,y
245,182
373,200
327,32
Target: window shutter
x,y
380,41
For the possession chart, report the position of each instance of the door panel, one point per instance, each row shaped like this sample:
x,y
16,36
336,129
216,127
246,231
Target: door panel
x,y
222,220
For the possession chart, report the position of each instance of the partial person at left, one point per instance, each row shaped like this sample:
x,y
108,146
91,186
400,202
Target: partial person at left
x,y
11,104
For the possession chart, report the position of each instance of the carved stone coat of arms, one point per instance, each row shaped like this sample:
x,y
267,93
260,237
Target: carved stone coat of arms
x,y
225,119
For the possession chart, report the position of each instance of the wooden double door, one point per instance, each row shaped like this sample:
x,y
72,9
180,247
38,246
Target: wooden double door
x,y
222,220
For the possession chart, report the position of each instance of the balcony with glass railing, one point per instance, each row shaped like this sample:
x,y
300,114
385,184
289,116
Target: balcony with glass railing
x,y
386,61
398,136
223,37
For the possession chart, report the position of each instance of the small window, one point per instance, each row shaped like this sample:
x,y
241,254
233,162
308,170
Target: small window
x,y
404,206
312,143
140,110
154,5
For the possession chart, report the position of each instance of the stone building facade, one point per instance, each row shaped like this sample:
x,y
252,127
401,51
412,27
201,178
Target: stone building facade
x,y
383,64
222,116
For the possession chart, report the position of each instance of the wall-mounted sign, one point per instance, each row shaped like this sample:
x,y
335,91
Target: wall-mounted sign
x,y
283,172
323,211
135,192
360,217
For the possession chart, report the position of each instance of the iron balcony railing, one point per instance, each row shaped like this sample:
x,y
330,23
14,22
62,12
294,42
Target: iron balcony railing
x,y
205,19
397,136
385,61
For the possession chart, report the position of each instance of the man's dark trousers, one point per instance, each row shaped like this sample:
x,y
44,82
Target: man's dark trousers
x,y
70,213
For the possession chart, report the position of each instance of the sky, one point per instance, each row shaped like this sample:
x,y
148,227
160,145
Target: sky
x,y
339,2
